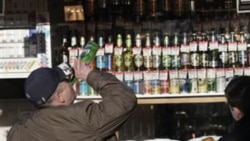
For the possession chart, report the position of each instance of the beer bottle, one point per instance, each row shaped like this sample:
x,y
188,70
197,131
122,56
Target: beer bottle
x,y
223,52
147,53
118,54
156,52
242,50
166,52
175,52
232,51
73,51
203,48
109,50
101,58
137,51
128,56
65,51
185,53
193,46
213,51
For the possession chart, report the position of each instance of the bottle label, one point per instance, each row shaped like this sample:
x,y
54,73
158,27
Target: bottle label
x,y
138,61
156,61
166,61
195,59
148,61
101,62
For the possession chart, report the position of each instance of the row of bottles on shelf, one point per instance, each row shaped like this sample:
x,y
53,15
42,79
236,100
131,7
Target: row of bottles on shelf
x,y
203,63
184,81
178,51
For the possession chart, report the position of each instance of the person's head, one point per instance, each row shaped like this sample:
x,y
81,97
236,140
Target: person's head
x,y
49,87
237,93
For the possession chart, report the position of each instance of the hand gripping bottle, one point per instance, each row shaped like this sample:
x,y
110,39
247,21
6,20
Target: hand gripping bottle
x,y
88,55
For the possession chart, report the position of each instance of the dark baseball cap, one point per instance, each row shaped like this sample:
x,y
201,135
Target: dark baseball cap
x,y
41,84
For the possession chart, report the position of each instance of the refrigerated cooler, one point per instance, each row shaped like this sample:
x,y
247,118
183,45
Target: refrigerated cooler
x,y
23,49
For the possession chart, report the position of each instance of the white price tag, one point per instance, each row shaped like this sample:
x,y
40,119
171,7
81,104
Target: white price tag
x,y
222,47
238,71
211,73
192,73
242,46
109,48
156,50
229,72
100,52
184,48
128,76
213,45
247,71
202,73
138,75
118,51
183,73
150,75
147,51
193,46
175,50
166,51
137,50
220,72
173,74
203,45
163,75
232,46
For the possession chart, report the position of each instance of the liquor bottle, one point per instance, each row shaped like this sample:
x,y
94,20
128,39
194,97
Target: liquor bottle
x,y
65,51
232,51
203,49
109,50
101,58
101,10
118,54
175,52
166,52
128,55
194,54
185,53
147,53
223,52
156,52
242,50
139,10
127,10
73,51
213,51
137,51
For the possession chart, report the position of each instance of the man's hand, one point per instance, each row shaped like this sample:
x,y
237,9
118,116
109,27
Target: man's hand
x,y
82,69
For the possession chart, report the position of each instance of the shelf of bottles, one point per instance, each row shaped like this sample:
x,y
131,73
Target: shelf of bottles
x,y
165,53
158,64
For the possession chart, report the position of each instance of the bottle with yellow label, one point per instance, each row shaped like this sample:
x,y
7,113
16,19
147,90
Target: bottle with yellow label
x,y
128,56
118,54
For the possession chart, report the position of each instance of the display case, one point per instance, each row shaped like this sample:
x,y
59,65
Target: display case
x,y
24,49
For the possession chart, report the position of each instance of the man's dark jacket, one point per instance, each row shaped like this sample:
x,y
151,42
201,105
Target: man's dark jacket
x,y
82,121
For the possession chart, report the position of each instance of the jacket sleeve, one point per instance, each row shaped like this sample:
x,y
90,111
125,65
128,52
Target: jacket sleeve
x,y
118,102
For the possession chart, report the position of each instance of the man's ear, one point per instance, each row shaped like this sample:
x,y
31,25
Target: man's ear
x,y
237,113
58,97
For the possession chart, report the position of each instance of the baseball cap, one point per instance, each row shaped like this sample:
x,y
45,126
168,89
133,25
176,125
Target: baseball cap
x,y
41,84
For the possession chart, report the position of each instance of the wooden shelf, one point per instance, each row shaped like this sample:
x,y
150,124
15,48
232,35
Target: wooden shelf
x,y
171,98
